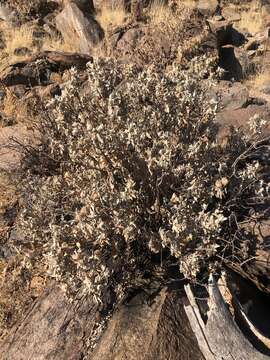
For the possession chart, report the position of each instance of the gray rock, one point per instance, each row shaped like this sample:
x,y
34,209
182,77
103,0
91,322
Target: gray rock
x,y
129,40
6,14
22,51
252,44
18,90
76,28
86,6
231,96
266,89
207,7
230,14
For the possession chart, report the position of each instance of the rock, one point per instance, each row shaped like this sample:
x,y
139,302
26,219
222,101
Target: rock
x,y
207,7
53,328
266,89
240,118
22,51
10,154
129,40
86,6
6,14
18,90
229,13
252,44
44,92
51,30
231,96
157,331
245,60
76,28
36,70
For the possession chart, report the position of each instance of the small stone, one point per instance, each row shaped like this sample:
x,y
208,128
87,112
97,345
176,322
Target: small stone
x,y
266,89
252,45
22,51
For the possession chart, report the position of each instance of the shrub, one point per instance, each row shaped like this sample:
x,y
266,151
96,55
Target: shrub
x,y
130,178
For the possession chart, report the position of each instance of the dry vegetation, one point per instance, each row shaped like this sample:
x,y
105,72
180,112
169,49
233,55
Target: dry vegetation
x,y
162,15
124,188
259,80
252,18
121,182
110,17
17,40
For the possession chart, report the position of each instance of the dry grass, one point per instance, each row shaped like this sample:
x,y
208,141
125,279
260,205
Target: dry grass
x,y
190,4
13,108
161,14
111,16
22,37
58,44
252,19
16,38
259,80
10,104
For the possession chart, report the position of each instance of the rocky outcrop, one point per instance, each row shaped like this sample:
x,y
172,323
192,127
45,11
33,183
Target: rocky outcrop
x,y
36,70
156,332
52,329
56,329
79,28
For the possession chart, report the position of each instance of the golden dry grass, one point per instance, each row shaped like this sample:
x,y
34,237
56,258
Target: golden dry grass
x,y
161,14
15,38
259,80
190,4
111,16
22,37
58,44
15,109
18,37
252,18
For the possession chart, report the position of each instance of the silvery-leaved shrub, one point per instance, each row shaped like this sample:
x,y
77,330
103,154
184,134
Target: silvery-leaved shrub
x,y
130,178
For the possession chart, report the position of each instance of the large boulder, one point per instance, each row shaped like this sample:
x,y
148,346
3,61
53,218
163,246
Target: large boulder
x,y
79,28
158,330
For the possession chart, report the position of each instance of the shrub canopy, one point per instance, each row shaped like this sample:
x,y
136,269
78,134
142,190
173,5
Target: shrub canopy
x,y
130,179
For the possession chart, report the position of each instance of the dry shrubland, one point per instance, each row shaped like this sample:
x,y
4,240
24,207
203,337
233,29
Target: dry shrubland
x,y
124,187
